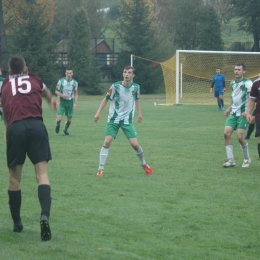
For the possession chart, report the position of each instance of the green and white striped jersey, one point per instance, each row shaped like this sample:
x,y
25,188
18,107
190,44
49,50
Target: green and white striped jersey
x,y
240,96
67,87
122,102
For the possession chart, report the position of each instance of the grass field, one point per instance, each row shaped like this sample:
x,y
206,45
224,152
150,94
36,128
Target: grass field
x,y
190,208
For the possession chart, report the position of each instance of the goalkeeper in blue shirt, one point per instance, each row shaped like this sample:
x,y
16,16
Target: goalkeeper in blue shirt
x,y
218,81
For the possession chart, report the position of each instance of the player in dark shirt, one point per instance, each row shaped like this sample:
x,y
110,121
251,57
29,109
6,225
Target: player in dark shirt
x,y
255,118
21,96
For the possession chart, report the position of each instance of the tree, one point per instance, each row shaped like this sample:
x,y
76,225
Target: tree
x,y
198,30
248,13
209,31
3,40
64,11
135,27
32,40
186,26
81,58
14,11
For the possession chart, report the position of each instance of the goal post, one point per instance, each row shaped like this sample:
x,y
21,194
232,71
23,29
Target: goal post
x,y
188,74
194,71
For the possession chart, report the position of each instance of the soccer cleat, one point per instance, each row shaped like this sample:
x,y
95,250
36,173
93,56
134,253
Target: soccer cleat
x,y
222,108
246,138
66,132
18,227
147,169
229,163
57,129
45,228
246,163
100,173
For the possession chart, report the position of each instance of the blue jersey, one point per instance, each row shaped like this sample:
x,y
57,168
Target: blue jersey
x,y
219,80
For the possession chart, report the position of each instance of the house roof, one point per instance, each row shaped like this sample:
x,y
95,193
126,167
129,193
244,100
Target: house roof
x,y
99,45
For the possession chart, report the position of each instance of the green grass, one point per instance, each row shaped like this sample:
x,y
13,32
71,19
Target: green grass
x,y
231,33
190,208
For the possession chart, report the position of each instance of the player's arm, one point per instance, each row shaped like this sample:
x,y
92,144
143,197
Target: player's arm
x,y
138,108
101,107
212,86
52,101
250,107
75,98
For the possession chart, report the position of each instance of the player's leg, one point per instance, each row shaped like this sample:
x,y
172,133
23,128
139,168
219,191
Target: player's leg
x,y
216,94
241,129
230,125
16,155
44,196
39,153
221,100
67,125
110,134
69,114
130,133
257,134
15,196
250,130
60,112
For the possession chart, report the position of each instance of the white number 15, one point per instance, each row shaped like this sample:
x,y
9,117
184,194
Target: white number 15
x,y
21,80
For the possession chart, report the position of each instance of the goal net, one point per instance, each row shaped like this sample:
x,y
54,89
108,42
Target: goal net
x,y
188,74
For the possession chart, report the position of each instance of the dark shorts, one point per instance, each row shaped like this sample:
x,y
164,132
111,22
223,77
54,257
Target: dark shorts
x,y
218,92
257,131
28,136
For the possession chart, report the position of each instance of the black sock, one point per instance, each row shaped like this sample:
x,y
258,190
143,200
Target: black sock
x,y
15,201
44,195
250,130
67,125
258,148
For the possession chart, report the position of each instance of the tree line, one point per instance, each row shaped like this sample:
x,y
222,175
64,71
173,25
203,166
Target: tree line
x,y
147,28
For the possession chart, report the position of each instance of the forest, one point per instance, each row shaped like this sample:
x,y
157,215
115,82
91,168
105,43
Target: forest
x,y
152,29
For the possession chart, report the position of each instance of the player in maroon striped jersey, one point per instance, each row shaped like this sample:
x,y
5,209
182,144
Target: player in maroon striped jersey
x,y
26,134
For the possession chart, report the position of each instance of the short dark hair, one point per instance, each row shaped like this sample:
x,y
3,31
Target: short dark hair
x,y
241,64
16,64
129,67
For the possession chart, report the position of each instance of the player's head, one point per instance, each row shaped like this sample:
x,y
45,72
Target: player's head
x,y
240,70
17,65
69,73
128,73
218,70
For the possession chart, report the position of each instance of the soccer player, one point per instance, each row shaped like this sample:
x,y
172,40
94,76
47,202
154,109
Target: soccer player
x,y
124,97
26,134
241,88
67,91
218,81
255,117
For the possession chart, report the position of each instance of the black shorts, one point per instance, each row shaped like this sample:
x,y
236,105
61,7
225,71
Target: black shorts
x,y
28,136
257,130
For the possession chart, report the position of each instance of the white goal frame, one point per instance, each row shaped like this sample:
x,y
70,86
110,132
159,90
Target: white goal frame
x,y
179,66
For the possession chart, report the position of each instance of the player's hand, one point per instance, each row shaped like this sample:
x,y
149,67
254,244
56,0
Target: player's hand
x,y
96,117
65,96
210,90
227,112
244,114
140,118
